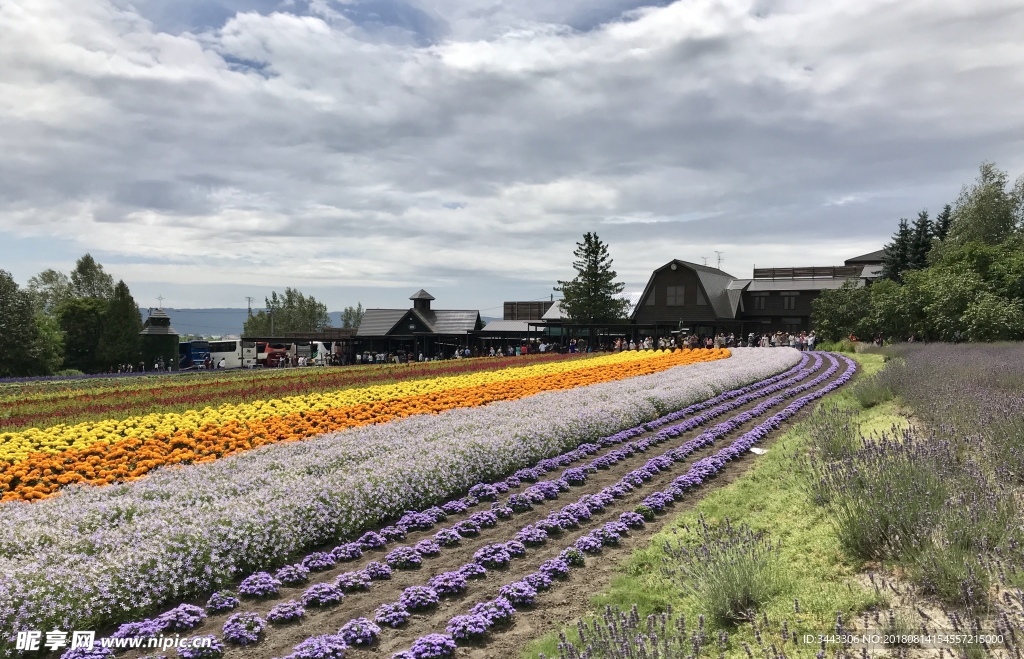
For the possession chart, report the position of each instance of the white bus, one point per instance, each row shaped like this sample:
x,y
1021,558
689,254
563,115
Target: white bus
x,y
236,353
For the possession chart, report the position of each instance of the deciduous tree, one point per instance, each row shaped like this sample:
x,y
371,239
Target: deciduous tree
x,y
291,312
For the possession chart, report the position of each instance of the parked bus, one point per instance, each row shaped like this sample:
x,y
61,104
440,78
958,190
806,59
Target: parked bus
x,y
236,353
193,354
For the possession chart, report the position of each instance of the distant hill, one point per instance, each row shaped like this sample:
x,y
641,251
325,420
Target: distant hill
x,y
220,322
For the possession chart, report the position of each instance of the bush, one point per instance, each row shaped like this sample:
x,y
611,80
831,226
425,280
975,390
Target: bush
x,y
64,372
845,345
871,391
731,570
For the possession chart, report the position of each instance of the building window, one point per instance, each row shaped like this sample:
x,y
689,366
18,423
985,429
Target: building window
x,y
789,301
759,299
674,295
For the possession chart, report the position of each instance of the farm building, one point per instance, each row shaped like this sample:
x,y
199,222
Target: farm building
x,y
420,329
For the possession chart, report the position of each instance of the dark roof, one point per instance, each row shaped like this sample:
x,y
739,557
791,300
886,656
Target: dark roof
x,y
517,326
760,285
715,283
870,258
158,323
422,295
380,322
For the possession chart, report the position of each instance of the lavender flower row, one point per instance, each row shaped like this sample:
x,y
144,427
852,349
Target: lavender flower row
x,y
499,555
262,584
523,593
97,555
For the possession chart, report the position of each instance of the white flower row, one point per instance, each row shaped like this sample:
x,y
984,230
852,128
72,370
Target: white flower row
x,y
97,555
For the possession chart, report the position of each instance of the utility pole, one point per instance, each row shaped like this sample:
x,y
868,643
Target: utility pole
x,y
719,266
705,259
249,301
160,299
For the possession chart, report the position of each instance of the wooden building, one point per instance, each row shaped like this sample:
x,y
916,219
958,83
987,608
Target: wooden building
x,y
432,332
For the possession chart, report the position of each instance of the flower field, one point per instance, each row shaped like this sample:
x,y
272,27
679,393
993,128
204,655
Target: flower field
x,y
286,522
38,462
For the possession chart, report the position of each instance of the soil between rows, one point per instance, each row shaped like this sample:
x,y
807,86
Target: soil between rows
x,y
565,601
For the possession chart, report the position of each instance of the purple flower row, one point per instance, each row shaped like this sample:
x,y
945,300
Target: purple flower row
x,y
523,593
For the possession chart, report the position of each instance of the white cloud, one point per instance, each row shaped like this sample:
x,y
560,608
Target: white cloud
x,y
286,149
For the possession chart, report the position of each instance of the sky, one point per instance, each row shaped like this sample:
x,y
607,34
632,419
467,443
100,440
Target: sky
x,y
359,150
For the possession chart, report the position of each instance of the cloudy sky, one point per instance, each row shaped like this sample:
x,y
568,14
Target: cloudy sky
x,y
206,150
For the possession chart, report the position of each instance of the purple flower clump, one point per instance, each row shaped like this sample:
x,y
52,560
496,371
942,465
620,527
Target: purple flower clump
x,y
468,627
143,629
448,583
371,540
519,593
360,632
485,518
548,525
222,600
501,487
575,476
555,568
532,536
589,544
403,558
572,556
347,552
538,580
491,556
433,646
325,646
289,611
319,561
499,610
96,651
427,548
243,628
392,533
377,571
605,537
392,615
181,618
208,648
483,492
454,507
415,598
519,503
467,528
416,521
447,537
292,574
515,548
473,571
513,481
501,511
436,514
632,520
322,594
528,475
260,584
352,581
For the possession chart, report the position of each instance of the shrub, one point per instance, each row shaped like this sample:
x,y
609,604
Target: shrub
x,y
871,391
730,570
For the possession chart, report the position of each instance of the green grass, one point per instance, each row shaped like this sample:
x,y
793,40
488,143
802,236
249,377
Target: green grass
x,y
770,497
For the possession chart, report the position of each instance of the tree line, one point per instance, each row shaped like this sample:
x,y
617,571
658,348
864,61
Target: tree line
x,y
957,277
78,323
83,322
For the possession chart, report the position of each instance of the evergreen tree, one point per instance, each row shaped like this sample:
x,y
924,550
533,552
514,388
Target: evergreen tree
x,y
920,242
352,316
88,279
591,295
120,341
897,253
291,312
81,320
942,221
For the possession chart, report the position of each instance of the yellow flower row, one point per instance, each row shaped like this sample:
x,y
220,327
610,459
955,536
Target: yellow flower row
x,y
19,445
